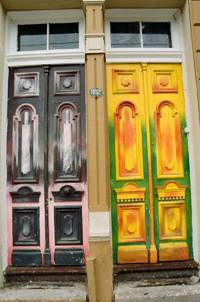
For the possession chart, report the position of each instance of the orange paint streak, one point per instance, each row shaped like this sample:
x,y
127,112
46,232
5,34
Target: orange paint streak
x,y
168,140
169,146
131,222
128,143
152,236
125,136
179,153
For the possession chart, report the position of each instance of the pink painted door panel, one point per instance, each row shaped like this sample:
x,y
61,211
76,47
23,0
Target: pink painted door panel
x,y
47,185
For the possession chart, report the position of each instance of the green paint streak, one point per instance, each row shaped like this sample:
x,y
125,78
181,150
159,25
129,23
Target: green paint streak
x,y
144,184
119,184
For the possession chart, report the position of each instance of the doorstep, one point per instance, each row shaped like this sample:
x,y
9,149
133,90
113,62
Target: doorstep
x,y
50,274
160,270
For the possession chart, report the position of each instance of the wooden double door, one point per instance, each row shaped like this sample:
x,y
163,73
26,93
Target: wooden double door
x,y
46,162
149,165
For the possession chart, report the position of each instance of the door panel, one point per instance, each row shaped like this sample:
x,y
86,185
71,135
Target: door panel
x,y
25,167
171,173
128,164
168,141
67,167
128,142
149,166
47,186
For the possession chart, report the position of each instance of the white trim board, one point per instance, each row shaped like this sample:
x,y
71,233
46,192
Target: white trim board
x,y
129,56
42,58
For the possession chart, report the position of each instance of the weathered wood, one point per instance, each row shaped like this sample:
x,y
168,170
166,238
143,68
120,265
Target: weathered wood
x,y
53,270
67,193
173,253
25,194
26,258
71,256
160,266
132,256
50,274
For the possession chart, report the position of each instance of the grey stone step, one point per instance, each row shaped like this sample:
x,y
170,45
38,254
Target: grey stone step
x,y
43,291
153,290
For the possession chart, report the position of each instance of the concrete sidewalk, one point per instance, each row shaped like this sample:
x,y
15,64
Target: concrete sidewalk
x,y
69,291
130,292
167,290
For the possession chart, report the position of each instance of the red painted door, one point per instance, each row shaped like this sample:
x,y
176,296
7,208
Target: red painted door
x,y
47,188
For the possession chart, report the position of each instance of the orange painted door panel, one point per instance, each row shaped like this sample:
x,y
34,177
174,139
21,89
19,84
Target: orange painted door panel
x,y
149,166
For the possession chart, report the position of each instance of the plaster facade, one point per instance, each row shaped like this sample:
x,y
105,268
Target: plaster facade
x,y
99,263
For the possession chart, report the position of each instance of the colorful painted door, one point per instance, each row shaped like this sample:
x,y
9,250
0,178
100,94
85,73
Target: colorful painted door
x,y
47,188
149,164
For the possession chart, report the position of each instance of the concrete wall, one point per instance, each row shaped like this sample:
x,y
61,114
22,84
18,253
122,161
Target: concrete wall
x,y
192,116
194,7
2,51
99,263
13,5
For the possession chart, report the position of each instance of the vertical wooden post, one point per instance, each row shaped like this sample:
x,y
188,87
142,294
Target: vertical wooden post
x,y
97,157
92,280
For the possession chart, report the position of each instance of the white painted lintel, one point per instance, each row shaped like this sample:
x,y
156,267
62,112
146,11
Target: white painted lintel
x,y
130,56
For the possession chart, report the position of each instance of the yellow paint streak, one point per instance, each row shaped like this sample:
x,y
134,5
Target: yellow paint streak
x,y
126,107
132,247
131,222
175,244
129,192
171,190
172,220
134,255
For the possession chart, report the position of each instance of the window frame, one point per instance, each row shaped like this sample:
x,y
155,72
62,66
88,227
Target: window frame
x,y
38,57
173,54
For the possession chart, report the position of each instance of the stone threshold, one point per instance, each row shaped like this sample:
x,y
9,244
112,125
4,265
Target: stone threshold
x,y
51,274
160,270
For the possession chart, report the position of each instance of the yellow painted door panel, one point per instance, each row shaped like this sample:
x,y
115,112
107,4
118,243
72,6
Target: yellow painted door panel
x,y
149,167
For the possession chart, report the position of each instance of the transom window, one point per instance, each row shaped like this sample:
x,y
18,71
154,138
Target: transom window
x,y
47,36
143,35
140,34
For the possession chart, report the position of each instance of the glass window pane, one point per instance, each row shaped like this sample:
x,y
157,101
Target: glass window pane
x,y
32,37
125,34
156,34
63,36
